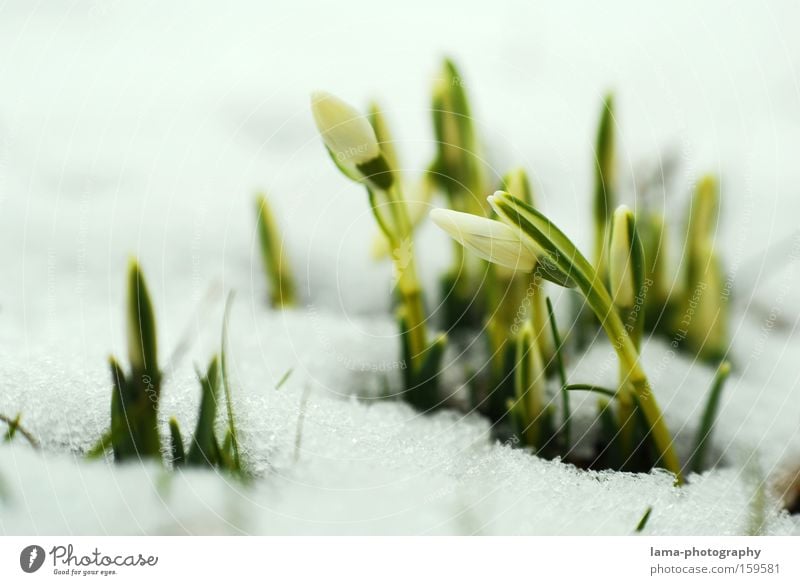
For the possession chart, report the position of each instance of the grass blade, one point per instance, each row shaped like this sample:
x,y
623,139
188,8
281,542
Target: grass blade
x,y
562,372
204,450
591,388
284,379
142,342
176,443
276,267
15,427
703,438
604,196
226,385
643,522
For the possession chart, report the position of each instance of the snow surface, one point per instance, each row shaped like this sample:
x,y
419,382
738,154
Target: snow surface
x,y
134,128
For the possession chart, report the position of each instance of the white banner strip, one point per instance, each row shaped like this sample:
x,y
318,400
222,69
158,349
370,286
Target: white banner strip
x,y
400,560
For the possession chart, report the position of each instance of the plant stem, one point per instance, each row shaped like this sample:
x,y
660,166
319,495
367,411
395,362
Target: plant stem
x,y
633,379
702,440
562,372
13,423
406,270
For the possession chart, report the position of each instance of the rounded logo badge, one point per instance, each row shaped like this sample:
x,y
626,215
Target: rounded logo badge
x,y
31,558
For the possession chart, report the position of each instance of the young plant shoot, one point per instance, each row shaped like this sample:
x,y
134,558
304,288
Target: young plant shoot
x,y
529,239
458,172
134,432
352,143
276,267
702,320
135,394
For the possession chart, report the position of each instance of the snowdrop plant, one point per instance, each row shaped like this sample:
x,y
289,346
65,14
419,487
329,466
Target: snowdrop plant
x,y
205,448
135,394
605,192
626,275
651,228
134,432
524,239
353,145
531,414
694,313
512,295
701,321
458,171
504,253
276,267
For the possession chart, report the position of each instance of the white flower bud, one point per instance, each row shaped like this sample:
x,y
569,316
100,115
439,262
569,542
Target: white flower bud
x,y
346,132
620,271
489,239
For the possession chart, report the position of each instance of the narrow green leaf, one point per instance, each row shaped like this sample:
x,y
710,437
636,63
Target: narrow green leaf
x,y
141,390
652,233
643,522
132,415
276,266
203,450
604,188
626,269
590,388
562,372
142,343
703,315
701,226
421,370
226,384
120,436
703,438
384,135
529,385
459,172
284,379
13,425
5,491
176,443
516,182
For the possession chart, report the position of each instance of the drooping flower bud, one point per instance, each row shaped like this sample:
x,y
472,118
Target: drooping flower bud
x,y
488,239
350,140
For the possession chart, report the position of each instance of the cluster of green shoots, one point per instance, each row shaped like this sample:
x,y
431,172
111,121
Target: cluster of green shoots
x,y
506,249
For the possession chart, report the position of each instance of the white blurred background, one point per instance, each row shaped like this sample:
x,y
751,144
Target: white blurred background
x,y
144,128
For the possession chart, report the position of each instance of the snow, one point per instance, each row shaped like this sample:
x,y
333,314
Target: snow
x,y
133,128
